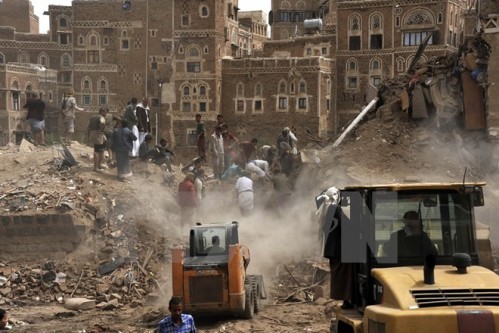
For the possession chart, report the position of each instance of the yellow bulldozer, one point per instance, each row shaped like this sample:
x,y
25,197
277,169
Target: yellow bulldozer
x,y
446,289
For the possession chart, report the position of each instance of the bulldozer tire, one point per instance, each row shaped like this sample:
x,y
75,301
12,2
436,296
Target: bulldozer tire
x,y
249,302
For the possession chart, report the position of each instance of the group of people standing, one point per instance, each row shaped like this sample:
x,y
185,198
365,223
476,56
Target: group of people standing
x,y
126,137
232,158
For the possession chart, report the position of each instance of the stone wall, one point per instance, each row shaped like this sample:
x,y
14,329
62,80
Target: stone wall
x,y
39,236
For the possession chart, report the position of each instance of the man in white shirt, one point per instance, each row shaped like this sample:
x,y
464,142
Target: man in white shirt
x,y
217,152
245,196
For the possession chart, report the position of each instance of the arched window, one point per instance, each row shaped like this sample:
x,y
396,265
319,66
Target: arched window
x,y
351,65
285,5
65,60
376,23
206,50
258,89
63,22
124,34
400,64
204,11
24,58
186,91
240,89
105,40
29,87
103,85
15,85
419,17
81,40
202,90
86,84
292,88
300,5
354,25
282,87
2,58
193,52
375,64
303,87
43,59
93,40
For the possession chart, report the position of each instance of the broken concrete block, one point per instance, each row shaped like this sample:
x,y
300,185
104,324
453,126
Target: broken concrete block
x,y
115,296
79,304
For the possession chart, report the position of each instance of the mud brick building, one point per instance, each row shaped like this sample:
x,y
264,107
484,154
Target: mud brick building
x,y
205,56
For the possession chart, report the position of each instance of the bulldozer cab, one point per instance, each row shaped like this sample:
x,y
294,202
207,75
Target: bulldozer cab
x,y
399,225
211,241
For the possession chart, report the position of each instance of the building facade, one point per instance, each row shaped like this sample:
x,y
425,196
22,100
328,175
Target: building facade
x,y
189,57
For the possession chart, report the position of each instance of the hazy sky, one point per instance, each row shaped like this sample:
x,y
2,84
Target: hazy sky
x,y
43,5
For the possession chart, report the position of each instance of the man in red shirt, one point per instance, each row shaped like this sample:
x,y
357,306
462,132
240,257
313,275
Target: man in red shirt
x,y
248,150
187,201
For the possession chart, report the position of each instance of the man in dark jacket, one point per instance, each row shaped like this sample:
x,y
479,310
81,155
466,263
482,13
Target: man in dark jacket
x,y
35,118
341,273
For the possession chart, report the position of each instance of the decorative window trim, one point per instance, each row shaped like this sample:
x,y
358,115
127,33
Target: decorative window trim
x,y
65,57
45,56
86,100
205,7
299,104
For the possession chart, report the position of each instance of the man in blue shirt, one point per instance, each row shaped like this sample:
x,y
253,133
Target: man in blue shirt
x,y
177,322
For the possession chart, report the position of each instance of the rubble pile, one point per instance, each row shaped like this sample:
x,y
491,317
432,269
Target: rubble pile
x,y
114,283
439,88
305,282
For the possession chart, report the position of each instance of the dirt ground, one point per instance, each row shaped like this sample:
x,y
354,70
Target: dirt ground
x,y
139,219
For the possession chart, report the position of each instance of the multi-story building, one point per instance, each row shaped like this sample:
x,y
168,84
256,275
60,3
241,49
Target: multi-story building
x,y
206,57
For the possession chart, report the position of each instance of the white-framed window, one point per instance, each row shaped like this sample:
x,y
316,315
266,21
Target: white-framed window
x,y
202,106
376,31
186,106
240,105
86,100
43,59
302,103
204,11
282,103
257,106
282,87
102,100
400,64
303,87
240,90
185,20
63,22
193,67
352,73
414,38
86,84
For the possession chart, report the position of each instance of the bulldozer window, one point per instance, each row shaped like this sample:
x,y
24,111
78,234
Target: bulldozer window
x,y
445,219
211,241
